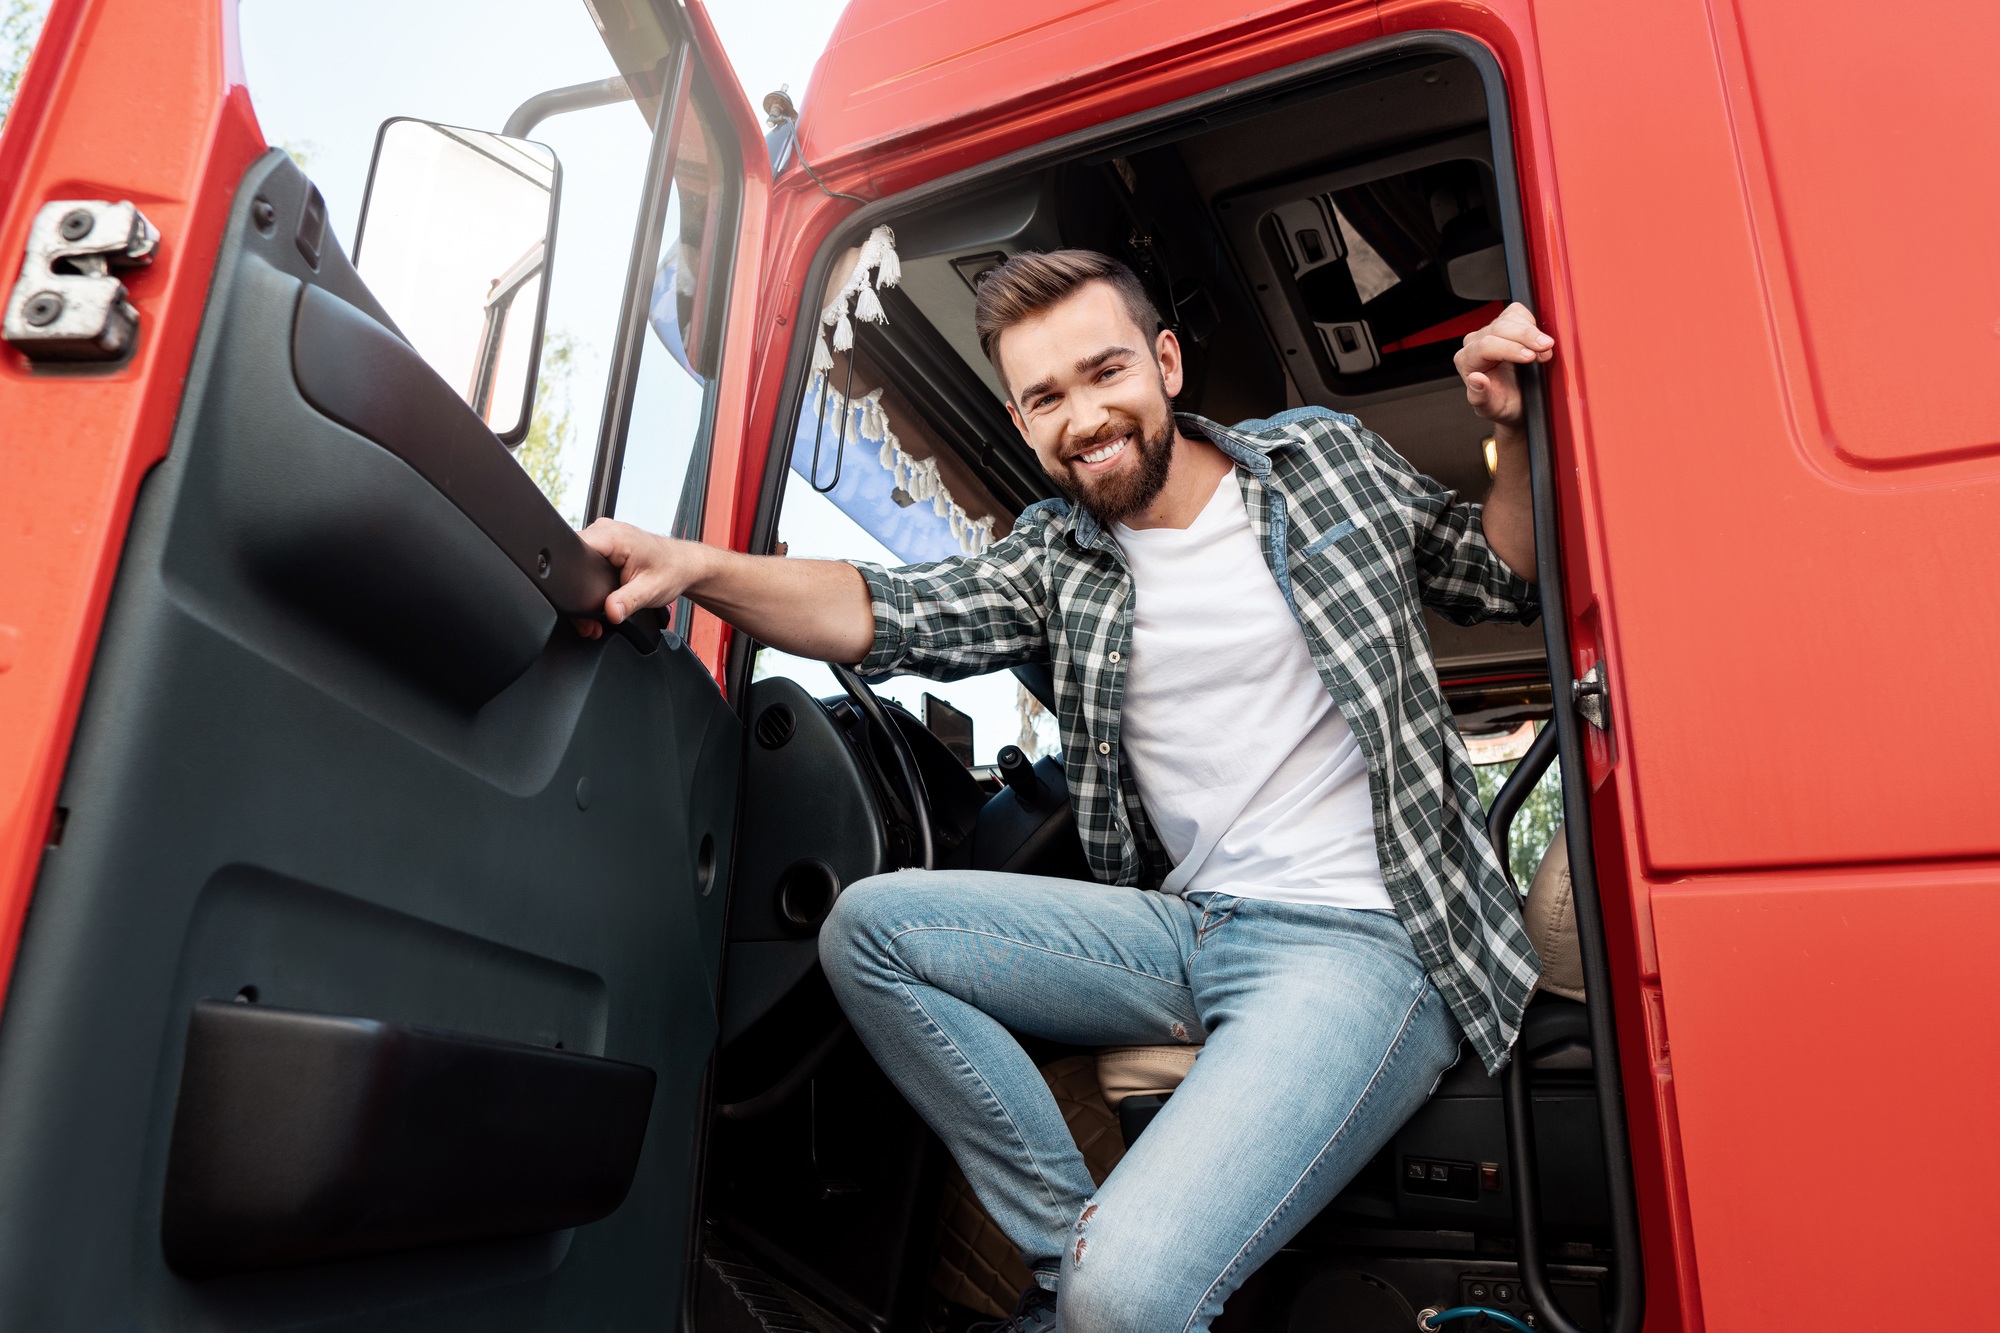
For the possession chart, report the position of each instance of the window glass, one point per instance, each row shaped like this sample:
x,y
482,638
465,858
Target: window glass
x,y
1536,822
20,24
684,334
1002,712
870,478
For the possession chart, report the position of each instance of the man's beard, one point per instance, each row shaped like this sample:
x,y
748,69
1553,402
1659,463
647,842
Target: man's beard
x,y
1130,488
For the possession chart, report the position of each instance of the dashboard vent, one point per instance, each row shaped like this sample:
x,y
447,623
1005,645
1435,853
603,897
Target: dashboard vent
x,y
775,726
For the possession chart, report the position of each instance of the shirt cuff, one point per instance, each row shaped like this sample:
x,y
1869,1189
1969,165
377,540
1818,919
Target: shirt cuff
x,y
892,605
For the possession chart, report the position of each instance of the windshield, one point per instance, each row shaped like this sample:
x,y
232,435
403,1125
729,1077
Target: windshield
x,y
1002,712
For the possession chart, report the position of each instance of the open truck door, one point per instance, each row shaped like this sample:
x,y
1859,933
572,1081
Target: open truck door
x,y
364,919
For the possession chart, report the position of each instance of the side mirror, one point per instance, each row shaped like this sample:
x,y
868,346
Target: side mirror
x,y
455,237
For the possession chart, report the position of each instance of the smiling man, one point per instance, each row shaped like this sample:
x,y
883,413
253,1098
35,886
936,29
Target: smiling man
x,y
1281,816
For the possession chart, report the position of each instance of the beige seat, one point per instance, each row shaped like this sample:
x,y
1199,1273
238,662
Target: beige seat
x,y
1550,915
1139,1071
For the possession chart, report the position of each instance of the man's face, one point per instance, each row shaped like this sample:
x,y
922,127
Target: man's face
x,y
1091,394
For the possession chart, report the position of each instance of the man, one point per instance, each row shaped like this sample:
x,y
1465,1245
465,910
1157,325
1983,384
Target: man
x,y
1267,783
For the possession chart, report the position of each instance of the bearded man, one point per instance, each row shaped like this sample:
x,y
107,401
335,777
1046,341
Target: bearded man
x,y
1280,813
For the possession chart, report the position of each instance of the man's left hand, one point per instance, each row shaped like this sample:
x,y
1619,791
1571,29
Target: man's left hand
x,y
1486,363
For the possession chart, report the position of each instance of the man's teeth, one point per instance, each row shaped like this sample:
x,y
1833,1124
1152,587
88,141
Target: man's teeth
x,y
1104,451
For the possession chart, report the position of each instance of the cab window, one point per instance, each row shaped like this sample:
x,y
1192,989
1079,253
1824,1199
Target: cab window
x,y
870,478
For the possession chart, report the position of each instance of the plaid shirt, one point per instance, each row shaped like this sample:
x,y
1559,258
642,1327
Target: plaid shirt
x,y
1356,538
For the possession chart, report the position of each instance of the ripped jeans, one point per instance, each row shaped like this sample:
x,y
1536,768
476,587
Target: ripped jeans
x,y
1322,1035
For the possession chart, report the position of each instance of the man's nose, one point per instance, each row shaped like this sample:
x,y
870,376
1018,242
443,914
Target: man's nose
x,y
1087,416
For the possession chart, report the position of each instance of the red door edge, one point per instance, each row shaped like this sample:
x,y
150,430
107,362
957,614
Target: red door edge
x,y
78,443
707,635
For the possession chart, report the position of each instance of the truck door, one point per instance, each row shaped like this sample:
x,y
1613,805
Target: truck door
x,y
364,918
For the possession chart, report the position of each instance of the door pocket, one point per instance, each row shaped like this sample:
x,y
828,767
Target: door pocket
x,y
301,1137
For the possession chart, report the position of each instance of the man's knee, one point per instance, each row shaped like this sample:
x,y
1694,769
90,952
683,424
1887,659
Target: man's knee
x,y
1118,1283
1108,1301
861,922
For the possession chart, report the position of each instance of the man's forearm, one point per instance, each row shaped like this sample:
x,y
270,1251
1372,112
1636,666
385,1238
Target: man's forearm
x,y
1508,516
811,608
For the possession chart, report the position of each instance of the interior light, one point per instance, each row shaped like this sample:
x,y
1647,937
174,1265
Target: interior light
x,y
1492,452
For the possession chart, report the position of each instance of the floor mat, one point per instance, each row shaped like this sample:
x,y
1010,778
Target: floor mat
x,y
976,1265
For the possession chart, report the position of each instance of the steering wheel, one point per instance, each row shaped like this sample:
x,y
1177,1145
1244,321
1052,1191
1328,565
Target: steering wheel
x,y
906,758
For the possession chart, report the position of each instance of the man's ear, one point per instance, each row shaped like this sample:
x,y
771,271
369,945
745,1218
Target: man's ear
x,y
1167,351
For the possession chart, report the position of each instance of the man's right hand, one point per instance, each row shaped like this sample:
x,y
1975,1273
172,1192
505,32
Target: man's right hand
x,y
652,570
813,608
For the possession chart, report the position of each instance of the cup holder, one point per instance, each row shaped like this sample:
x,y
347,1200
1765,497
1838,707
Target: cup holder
x,y
806,891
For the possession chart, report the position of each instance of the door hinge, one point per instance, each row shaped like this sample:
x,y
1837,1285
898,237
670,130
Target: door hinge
x,y
69,305
1591,698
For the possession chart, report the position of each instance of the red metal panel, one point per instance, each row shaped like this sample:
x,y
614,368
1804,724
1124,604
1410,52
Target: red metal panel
x,y
1800,650
125,99
1881,140
905,82
1836,1042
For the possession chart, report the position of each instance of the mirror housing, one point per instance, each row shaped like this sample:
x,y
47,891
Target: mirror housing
x,y
457,230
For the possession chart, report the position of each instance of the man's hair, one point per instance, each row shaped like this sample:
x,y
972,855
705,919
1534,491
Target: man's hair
x,y
1031,282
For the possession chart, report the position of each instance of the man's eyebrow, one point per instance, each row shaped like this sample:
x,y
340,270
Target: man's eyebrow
x,y
1083,367
1090,363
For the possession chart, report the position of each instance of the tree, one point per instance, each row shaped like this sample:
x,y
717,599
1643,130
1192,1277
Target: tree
x,y
550,429
1039,735
20,24
1536,822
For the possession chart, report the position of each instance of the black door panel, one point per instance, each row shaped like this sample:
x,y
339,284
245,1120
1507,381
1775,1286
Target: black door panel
x,y
338,754
297,535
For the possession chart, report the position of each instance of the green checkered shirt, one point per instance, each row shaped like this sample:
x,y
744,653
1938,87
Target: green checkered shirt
x,y
1356,539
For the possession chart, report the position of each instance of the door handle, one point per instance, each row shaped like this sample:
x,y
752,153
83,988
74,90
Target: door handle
x,y
357,372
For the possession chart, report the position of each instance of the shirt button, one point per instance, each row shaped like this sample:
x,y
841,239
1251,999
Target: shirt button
x,y
1114,657
1104,747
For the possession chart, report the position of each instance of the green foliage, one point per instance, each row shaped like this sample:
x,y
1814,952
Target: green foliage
x,y
301,151
20,24
1536,822
1039,734
550,430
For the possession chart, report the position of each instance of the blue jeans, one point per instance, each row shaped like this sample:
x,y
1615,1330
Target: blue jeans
x,y
1322,1035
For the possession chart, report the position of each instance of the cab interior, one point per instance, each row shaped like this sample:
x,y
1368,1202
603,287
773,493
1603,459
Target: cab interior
x,y
1326,242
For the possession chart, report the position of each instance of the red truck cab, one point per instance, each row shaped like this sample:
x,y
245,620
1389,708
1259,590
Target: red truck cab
x,y
380,951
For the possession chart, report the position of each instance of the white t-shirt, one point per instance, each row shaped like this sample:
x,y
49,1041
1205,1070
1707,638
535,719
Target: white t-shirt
x,y
1250,774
